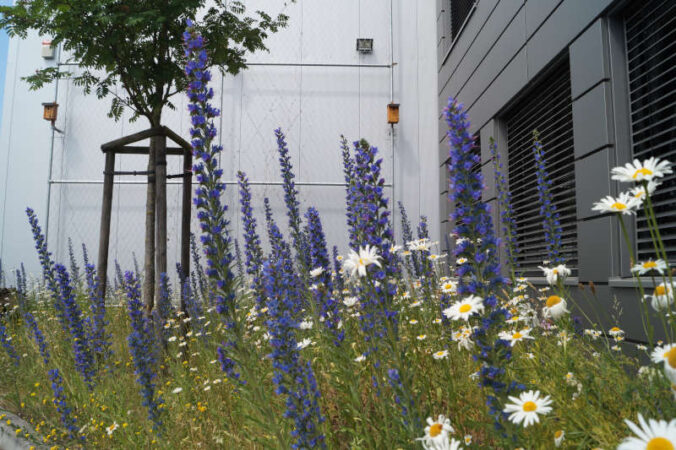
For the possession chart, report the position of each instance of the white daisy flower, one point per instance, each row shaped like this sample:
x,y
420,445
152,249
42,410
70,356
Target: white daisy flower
x,y
440,354
555,307
172,339
420,245
350,301
111,429
314,273
461,261
433,258
625,204
662,297
559,436
304,343
653,434
177,390
639,191
357,263
305,325
639,171
670,365
527,407
554,274
465,308
468,439
421,337
449,287
642,268
437,434
413,321
660,353
615,332
515,336
360,358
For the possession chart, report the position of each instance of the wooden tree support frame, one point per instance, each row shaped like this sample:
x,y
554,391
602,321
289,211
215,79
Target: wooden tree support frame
x,y
158,176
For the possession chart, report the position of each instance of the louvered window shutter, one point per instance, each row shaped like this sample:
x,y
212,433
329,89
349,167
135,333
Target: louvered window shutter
x,y
650,29
460,9
546,107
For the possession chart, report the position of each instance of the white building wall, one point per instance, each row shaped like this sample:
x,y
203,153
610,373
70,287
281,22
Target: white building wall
x,y
312,83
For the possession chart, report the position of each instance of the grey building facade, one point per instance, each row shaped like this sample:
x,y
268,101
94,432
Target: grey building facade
x,y
597,78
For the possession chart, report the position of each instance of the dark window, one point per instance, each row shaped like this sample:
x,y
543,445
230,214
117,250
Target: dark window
x,y
460,9
546,107
650,29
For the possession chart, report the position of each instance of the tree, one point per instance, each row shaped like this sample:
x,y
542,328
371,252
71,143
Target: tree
x,y
137,44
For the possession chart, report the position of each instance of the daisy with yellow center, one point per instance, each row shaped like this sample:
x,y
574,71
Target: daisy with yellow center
x,y
639,192
437,434
650,435
660,353
625,204
111,429
515,336
615,332
440,354
555,307
642,268
663,297
448,287
357,263
465,308
527,408
421,337
647,170
670,364
555,274
559,435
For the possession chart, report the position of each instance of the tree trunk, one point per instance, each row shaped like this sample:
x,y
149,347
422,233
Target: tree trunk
x,y
149,257
160,211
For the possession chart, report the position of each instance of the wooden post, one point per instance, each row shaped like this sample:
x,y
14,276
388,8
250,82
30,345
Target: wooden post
x,y
185,220
149,257
106,209
160,211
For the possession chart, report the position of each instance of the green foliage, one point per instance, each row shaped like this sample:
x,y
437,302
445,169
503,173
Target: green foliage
x,y
138,44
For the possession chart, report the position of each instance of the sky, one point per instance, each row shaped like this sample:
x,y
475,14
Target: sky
x,y
4,45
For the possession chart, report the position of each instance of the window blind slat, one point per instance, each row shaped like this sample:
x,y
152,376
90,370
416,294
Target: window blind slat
x,y
650,27
548,108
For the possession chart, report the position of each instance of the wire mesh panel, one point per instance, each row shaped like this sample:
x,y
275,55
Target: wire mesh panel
x,y
651,61
548,108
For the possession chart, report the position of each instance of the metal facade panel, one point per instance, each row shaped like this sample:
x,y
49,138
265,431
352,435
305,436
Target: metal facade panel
x,y
589,58
592,120
559,29
591,174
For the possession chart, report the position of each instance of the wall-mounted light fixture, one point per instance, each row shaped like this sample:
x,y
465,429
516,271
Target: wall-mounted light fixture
x,y
364,45
47,51
392,113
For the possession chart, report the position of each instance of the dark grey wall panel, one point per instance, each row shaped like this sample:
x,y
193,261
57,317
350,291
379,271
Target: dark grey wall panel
x,y
491,49
593,176
497,58
589,62
595,258
507,84
536,12
488,174
463,42
560,28
592,127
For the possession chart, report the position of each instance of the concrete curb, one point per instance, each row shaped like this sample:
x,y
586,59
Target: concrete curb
x,y
8,437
